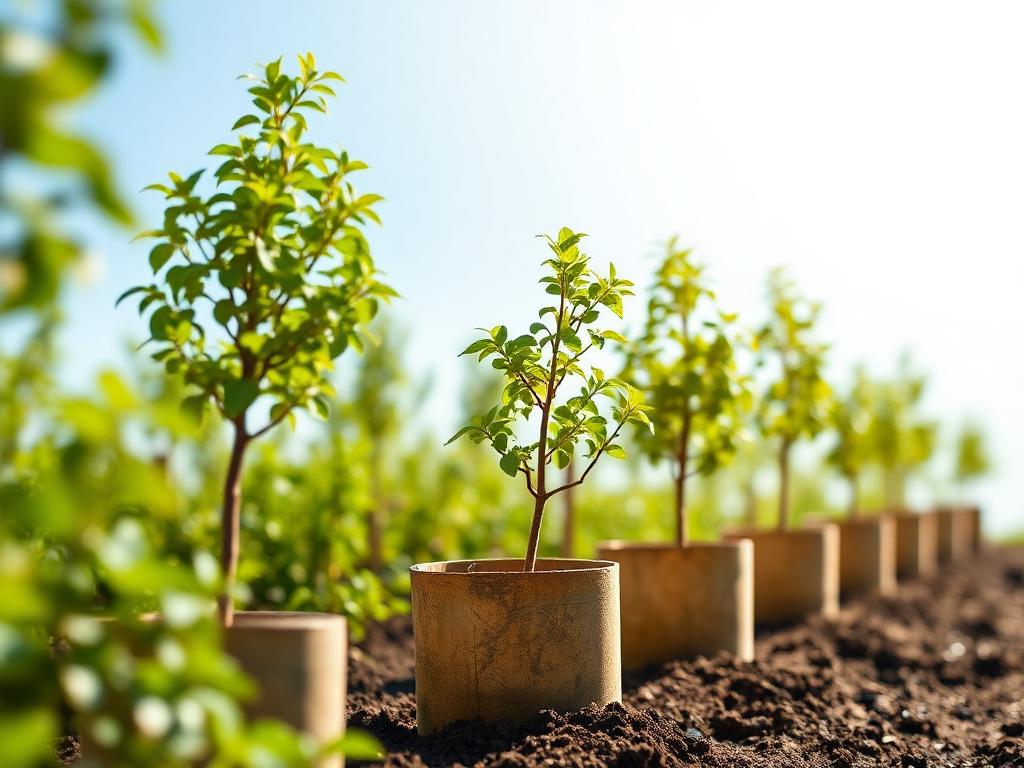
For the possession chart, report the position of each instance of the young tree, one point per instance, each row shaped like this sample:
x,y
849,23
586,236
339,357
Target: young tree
x,y
685,364
900,440
538,365
275,263
850,419
796,403
972,459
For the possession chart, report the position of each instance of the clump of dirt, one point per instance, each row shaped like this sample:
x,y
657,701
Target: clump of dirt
x,y
931,677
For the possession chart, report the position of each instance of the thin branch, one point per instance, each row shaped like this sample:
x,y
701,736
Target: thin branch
x,y
593,461
259,433
529,480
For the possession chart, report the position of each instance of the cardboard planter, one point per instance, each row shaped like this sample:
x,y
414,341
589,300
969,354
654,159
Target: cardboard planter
x,y
299,662
494,643
681,602
976,532
917,544
867,555
955,532
796,572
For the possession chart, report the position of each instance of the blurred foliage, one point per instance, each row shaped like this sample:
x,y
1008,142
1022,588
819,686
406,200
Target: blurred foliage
x,y
53,55
972,459
685,363
850,419
901,441
795,404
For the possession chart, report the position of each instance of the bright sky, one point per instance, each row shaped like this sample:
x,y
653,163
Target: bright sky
x,y
873,148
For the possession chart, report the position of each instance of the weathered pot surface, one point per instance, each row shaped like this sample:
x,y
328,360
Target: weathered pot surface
x,y
299,661
867,555
494,643
955,533
796,571
917,544
683,602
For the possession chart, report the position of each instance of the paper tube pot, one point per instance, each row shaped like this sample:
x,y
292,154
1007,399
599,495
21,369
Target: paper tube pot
x,y
955,532
796,572
976,531
867,555
299,662
494,643
682,602
917,544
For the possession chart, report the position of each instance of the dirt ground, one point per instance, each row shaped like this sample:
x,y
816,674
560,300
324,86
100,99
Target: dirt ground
x,y
931,677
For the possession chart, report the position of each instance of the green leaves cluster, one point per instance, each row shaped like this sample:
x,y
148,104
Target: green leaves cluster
x,y
901,440
972,458
686,364
45,69
796,402
265,281
850,419
540,366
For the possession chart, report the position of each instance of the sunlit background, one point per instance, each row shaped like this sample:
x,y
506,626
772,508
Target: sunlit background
x,y
875,151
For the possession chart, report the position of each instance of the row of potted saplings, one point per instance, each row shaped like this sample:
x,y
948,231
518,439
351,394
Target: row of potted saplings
x,y
278,248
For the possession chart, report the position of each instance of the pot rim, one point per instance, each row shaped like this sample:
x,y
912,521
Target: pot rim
x,y
439,567
621,545
285,620
810,527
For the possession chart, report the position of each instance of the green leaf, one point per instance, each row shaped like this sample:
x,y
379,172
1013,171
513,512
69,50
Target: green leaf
x,y
245,120
509,463
160,255
239,394
615,451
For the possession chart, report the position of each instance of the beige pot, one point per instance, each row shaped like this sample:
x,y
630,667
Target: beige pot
x,y
867,555
682,602
796,572
917,544
955,533
976,532
494,643
299,662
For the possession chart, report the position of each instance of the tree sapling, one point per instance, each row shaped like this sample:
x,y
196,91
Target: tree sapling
x,y
267,280
850,419
540,365
686,365
796,404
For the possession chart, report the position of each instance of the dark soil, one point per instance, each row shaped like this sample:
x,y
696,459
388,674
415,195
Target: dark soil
x,y
932,677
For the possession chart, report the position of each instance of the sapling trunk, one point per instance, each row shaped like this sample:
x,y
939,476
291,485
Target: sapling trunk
x,y
854,509
569,522
530,563
682,460
230,522
784,503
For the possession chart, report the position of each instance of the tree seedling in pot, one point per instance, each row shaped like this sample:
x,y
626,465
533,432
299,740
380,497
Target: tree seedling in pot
x,y
795,405
685,363
263,282
541,369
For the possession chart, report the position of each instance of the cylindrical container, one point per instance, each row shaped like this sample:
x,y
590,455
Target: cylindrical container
x,y
976,531
682,602
917,544
796,572
867,555
494,643
299,662
955,532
